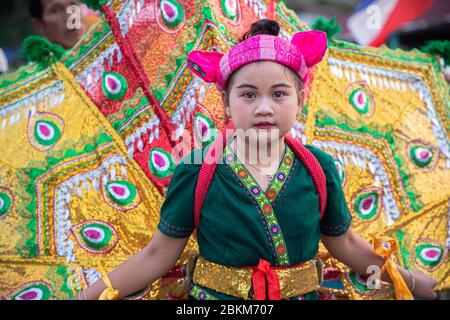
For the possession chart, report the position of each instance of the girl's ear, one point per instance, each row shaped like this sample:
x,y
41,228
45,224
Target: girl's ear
x,y
227,112
225,103
301,100
205,64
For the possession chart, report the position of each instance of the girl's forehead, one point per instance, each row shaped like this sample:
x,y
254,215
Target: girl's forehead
x,y
263,72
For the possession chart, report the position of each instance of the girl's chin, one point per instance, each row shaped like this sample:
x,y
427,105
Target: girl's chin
x,y
260,136
266,139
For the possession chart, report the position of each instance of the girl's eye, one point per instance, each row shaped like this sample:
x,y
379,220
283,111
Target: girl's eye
x,y
279,94
249,95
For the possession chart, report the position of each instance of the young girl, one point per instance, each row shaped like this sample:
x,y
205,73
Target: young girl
x,y
261,221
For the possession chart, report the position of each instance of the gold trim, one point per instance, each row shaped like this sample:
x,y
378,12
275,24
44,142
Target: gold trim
x,y
237,282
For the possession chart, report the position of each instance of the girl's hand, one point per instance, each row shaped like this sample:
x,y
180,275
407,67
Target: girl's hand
x,y
424,285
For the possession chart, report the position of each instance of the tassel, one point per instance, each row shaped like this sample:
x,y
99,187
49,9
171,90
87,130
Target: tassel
x,y
331,28
441,48
41,51
94,4
109,293
401,289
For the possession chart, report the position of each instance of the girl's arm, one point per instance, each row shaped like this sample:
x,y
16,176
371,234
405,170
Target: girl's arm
x,y
138,272
358,254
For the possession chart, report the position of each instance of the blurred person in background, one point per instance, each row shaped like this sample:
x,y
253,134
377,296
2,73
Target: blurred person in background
x,y
3,62
60,21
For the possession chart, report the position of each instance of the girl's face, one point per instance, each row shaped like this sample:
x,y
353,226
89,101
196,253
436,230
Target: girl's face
x,y
264,97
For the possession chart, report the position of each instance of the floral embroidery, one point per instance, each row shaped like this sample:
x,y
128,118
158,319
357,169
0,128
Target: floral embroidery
x,y
200,294
285,169
275,230
255,190
229,158
242,173
281,249
264,201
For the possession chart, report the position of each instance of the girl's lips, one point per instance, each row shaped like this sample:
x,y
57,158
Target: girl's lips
x,y
264,125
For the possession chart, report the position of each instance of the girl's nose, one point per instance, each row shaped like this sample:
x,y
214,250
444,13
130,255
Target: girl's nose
x,y
263,108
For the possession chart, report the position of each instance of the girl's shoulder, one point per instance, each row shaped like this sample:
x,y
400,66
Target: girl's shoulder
x,y
186,171
325,159
328,166
194,160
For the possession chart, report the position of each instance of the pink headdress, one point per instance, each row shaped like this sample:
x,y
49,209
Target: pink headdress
x,y
305,50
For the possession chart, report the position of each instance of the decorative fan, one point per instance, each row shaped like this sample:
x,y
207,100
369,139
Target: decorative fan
x,y
90,142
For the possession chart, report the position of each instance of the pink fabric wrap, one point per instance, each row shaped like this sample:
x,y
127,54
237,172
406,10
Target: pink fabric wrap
x,y
306,49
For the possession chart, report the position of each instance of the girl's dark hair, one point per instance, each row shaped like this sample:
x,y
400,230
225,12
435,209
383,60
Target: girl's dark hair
x,y
263,26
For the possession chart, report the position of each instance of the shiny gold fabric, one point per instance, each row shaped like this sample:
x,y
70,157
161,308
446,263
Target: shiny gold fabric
x,y
237,282
132,228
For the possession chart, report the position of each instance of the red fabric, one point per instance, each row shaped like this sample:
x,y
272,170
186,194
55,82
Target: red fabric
x,y
206,174
266,284
176,272
325,296
131,69
125,47
173,275
262,273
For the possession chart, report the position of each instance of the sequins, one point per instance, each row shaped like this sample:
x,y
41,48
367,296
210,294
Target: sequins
x,y
6,202
429,254
44,130
161,163
171,15
205,129
360,97
359,282
367,203
36,290
232,11
341,170
95,236
121,194
237,282
114,85
423,155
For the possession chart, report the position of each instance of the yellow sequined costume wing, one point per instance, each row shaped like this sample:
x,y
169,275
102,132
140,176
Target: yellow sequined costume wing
x,y
90,144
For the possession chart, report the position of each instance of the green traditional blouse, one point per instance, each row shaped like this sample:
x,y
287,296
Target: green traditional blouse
x,y
240,223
